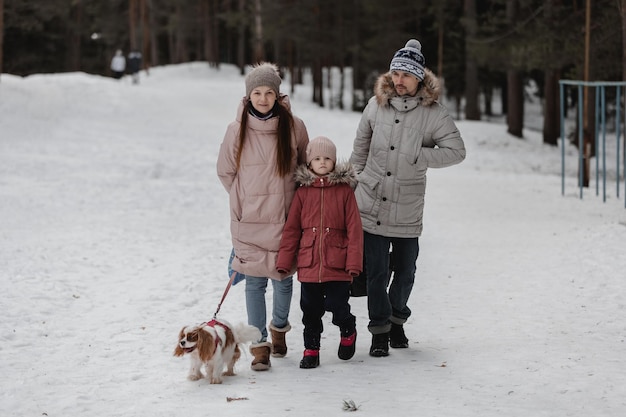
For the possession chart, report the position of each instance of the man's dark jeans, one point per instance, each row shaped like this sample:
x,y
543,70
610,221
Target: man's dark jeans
x,y
387,307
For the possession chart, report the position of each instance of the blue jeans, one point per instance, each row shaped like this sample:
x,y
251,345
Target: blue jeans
x,y
385,308
255,303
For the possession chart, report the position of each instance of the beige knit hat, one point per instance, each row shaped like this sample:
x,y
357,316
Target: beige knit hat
x,y
264,74
321,146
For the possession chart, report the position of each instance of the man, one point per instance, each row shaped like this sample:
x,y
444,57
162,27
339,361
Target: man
x,y
403,132
134,65
118,65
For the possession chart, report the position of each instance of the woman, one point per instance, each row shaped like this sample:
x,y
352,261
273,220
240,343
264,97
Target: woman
x,y
258,157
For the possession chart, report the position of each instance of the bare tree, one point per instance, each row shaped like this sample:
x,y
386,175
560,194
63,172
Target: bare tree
x,y
211,35
259,54
153,58
132,23
587,138
2,33
622,14
74,36
551,109
515,84
472,107
146,38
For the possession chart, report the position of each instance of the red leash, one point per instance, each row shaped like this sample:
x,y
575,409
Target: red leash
x,y
232,278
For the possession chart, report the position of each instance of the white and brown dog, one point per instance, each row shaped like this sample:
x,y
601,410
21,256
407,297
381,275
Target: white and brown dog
x,y
214,344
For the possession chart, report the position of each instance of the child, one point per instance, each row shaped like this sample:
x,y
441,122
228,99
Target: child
x,y
324,233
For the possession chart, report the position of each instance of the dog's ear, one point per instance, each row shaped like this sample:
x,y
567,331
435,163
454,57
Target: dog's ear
x,y
206,344
179,351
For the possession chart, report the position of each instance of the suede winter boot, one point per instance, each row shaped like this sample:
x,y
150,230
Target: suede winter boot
x,y
380,345
279,344
310,359
347,345
397,338
261,353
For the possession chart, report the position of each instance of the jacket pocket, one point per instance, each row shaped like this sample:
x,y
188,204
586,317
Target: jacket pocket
x,y
305,251
336,250
410,205
365,192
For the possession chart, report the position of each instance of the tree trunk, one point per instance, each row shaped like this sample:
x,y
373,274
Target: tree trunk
x,y
551,108
318,96
259,54
181,53
329,86
357,99
145,32
291,66
2,33
514,85
153,59
215,39
515,105
622,11
472,106
504,96
73,38
132,24
342,85
551,93
488,99
587,132
241,44
440,23
208,32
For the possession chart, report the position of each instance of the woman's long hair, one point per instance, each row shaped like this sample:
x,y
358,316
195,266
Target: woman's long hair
x,y
283,148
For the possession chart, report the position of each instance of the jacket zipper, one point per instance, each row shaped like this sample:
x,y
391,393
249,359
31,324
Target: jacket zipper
x,y
319,276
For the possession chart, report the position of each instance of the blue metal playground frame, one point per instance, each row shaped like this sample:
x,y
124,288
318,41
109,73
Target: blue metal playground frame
x,y
600,90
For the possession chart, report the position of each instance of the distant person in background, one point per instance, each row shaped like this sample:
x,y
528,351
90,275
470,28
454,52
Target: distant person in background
x,y
134,65
118,64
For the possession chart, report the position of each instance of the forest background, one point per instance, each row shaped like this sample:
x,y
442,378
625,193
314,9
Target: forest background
x,y
477,47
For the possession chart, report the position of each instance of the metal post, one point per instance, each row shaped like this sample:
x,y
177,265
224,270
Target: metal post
x,y
563,106
600,143
580,140
596,139
618,112
603,105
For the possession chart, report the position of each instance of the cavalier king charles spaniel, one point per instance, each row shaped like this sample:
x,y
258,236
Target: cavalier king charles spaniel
x,y
214,345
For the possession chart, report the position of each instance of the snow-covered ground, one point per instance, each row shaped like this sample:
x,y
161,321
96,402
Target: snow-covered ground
x,y
114,233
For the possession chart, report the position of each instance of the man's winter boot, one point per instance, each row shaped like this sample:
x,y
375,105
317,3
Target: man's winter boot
x,y
310,359
279,344
347,344
380,345
397,338
261,353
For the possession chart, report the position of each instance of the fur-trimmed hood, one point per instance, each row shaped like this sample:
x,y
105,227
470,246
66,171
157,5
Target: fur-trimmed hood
x,y
342,174
428,90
